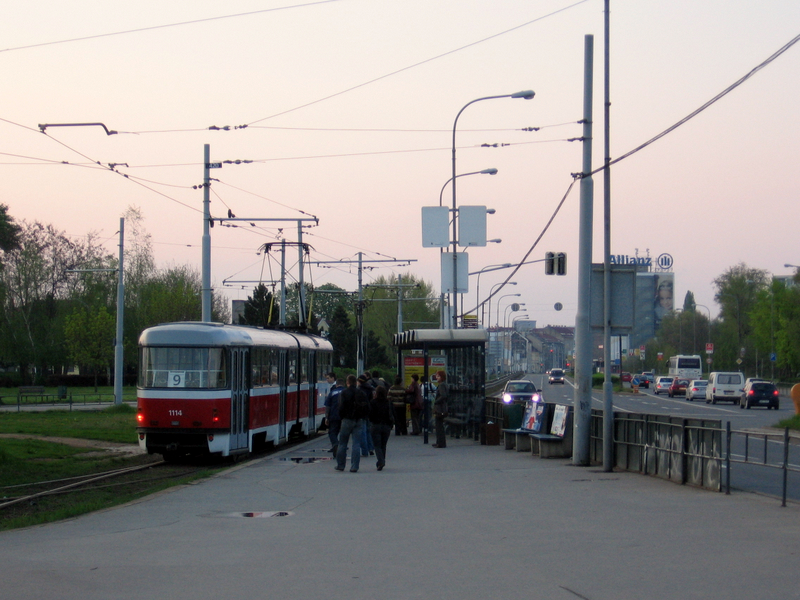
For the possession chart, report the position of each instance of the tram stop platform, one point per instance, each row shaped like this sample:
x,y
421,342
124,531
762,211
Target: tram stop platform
x,y
464,522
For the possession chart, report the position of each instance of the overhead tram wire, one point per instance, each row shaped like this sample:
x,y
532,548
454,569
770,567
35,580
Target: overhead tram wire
x,y
697,111
166,26
418,64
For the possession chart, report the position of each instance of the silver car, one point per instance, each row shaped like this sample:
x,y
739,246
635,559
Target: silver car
x,y
662,384
696,389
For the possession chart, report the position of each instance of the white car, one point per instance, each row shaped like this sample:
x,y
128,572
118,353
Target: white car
x,y
696,389
662,384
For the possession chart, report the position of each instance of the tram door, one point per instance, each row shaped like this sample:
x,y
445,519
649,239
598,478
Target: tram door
x,y
240,396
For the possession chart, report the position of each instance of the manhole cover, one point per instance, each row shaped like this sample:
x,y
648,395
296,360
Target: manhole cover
x,y
260,514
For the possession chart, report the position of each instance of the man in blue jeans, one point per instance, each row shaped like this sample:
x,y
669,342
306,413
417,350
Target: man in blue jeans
x,y
353,409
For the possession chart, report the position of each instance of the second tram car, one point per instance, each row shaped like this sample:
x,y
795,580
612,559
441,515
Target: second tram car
x,y
209,388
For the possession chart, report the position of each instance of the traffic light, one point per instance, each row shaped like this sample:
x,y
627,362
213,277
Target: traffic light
x,y
549,263
555,263
561,263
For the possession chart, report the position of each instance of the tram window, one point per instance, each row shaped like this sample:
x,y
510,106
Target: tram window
x,y
304,366
263,367
198,367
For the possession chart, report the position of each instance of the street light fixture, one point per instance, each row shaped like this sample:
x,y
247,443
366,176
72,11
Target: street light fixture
x,y
527,95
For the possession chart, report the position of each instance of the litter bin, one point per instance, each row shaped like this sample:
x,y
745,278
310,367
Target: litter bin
x,y
512,415
62,392
490,434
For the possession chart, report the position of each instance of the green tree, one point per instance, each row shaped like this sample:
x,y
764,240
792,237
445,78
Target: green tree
x,y
37,289
90,339
260,309
342,335
737,290
419,303
9,230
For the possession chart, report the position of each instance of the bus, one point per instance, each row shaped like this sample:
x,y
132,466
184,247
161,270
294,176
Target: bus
x,y
686,366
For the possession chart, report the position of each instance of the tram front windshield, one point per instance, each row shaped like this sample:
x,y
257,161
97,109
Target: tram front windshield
x,y
180,367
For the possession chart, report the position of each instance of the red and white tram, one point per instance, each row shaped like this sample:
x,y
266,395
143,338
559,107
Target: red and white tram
x,y
227,389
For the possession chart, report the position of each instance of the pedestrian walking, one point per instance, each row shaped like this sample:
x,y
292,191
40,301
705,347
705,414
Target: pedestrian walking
x,y
354,410
332,418
367,447
381,419
440,408
414,399
397,397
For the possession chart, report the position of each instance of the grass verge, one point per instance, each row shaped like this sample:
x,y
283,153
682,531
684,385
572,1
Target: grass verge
x,y
29,466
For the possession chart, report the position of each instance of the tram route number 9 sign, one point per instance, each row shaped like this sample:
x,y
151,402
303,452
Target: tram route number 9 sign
x,y
176,379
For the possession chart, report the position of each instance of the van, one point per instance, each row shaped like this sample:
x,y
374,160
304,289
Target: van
x,y
727,386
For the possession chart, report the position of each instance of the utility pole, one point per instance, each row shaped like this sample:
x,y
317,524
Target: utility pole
x,y
118,348
206,248
583,334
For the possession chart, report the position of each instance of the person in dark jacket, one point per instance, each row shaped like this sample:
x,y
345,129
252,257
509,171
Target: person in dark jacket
x,y
440,408
381,419
332,418
354,419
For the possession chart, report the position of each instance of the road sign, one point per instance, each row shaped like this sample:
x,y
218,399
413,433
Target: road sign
x,y
773,357
738,361
709,348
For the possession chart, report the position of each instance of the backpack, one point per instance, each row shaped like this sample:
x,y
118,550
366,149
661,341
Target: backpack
x,y
360,405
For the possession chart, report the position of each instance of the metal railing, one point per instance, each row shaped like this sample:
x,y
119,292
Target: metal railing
x,y
760,459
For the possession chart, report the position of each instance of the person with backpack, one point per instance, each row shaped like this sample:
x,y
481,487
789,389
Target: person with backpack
x,y
381,419
354,410
397,397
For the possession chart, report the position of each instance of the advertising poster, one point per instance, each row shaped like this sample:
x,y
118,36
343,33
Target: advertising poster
x,y
416,364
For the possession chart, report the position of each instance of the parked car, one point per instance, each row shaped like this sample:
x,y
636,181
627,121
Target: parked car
x,y
520,391
760,393
677,387
662,384
646,379
696,389
625,377
556,376
724,386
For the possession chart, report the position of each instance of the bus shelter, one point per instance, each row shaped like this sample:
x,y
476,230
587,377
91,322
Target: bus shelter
x,y
461,353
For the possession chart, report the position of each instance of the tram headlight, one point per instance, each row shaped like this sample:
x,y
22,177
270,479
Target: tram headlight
x,y
507,398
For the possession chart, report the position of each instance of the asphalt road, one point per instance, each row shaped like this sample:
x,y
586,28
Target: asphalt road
x,y
747,441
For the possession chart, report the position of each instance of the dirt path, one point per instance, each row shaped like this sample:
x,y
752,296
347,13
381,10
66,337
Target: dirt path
x,y
100,445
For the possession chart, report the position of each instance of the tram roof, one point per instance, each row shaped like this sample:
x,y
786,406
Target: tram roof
x,y
416,338
194,333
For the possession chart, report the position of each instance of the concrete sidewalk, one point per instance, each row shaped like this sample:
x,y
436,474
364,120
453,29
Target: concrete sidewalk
x,y
468,521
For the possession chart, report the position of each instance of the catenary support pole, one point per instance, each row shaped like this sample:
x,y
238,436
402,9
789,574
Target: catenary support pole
x,y
583,334
608,387
206,266
118,348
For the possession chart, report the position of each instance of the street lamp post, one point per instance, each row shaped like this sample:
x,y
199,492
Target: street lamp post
x,y
478,284
527,95
497,314
506,336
